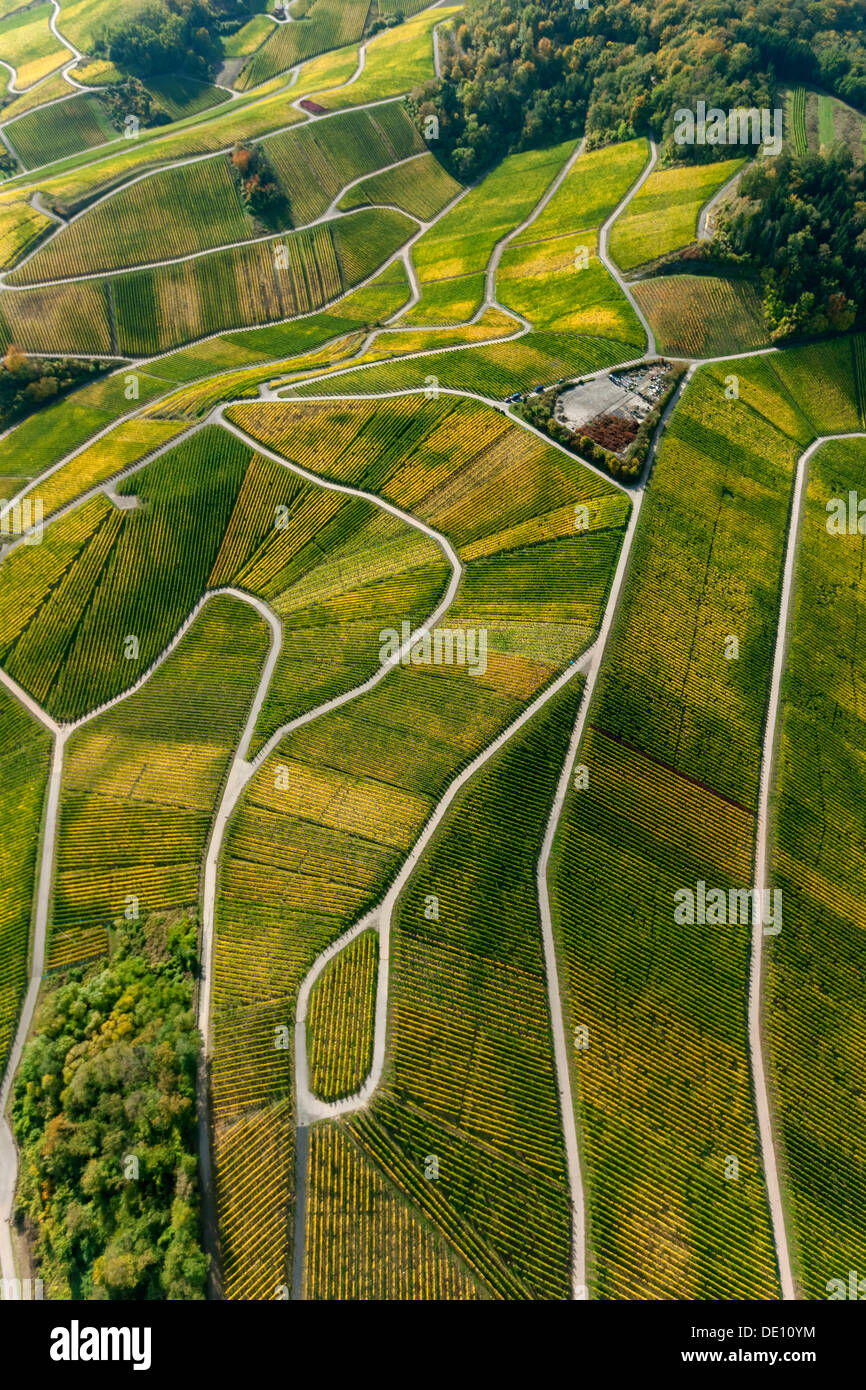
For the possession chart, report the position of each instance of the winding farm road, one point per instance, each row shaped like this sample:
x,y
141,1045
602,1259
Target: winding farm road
x,y
242,769
62,733
604,251
759,931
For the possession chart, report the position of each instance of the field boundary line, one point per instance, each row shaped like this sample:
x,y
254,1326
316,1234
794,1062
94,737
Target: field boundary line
x,y
610,265
769,751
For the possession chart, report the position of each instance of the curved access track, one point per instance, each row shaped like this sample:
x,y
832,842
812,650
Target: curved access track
x,y
768,755
62,733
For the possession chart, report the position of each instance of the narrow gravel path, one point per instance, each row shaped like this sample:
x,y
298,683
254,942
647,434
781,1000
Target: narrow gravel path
x,y
762,837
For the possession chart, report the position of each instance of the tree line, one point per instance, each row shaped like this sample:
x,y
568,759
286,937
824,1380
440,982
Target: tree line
x,y
519,76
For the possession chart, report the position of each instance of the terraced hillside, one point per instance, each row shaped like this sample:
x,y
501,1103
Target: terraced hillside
x,y
432,755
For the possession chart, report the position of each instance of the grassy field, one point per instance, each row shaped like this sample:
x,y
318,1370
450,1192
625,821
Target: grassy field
x,y
815,1017
702,315
664,214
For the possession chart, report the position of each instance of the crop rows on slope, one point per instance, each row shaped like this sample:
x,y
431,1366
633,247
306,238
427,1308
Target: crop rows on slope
x,y
72,608
340,1020
702,315
71,318
196,206
143,312
59,129
21,226
672,762
141,782
172,213
333,811
535,359
326,24
551,273
29,46
663,214
421,187
471,1074
254,1162
131,440
458,247
815,985
381,1250
336,570
315,161
23,775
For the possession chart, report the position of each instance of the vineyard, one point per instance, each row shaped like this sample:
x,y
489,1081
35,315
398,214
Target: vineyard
x,y
471,1075
550,273
672,759
663,215
24,763
174,213
816,1027
133,826
340,1021
495,371
330,815
797,119
156,310
326,24
702,315
64,128
420,187
28,45
460,244
69,605
380,1249
315,162
458,1043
